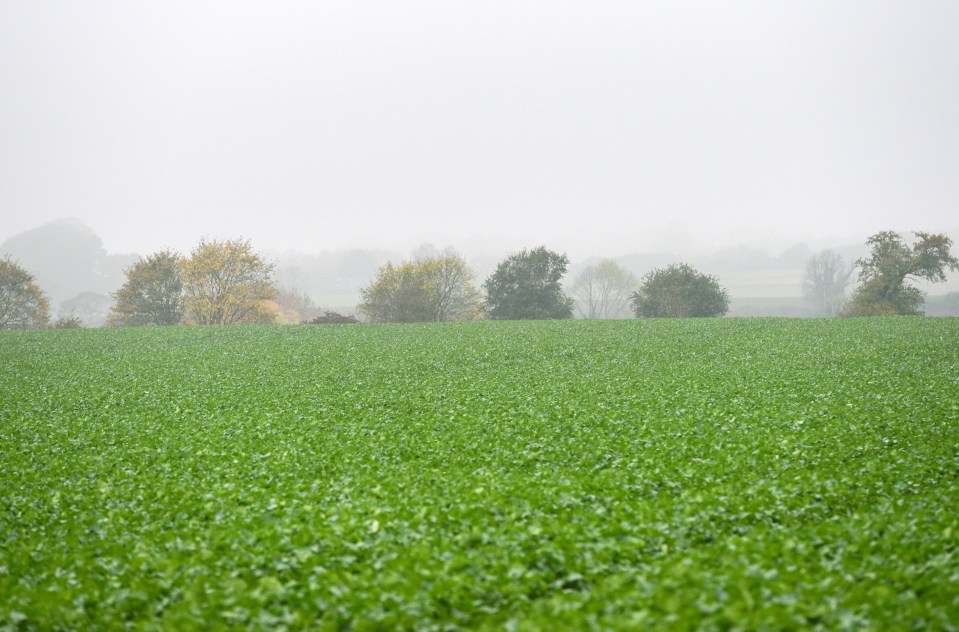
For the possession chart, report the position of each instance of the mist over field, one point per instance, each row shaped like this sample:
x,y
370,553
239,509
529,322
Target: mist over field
x,y
713,132
73,266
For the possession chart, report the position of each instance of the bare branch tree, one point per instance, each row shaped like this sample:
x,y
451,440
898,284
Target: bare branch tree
x,y
824,282
603,291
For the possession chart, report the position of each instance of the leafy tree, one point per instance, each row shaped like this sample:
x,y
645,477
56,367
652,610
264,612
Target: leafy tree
x,y
397,295
824,282
152,293
450,282
887,274
431,288
526,286
679,291
603,290
226,283
22,303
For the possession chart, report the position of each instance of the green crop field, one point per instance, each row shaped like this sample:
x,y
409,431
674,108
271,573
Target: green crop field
x,y
674,474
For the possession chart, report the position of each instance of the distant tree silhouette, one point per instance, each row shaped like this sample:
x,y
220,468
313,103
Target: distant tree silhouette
x,y
824,282
66,258
91,308
603,290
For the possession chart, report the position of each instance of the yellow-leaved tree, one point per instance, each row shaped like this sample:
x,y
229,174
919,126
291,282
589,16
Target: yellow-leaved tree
x,y
227,283
22,304
430,289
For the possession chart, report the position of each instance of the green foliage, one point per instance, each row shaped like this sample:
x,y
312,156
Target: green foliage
x,y
526,286
227,283
152,293
648,474
876,297
432,289
332,318
679,291
397,295
886,274
22,303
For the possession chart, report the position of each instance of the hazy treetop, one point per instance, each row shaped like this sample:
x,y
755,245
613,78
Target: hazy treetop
x,y
599,128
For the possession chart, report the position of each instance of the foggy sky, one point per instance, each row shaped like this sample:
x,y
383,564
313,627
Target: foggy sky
x,y
594,127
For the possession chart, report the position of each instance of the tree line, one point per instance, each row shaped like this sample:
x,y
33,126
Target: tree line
x,y
227,282
219,283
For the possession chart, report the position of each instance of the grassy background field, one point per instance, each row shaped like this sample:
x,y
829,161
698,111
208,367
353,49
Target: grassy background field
x,y
711,473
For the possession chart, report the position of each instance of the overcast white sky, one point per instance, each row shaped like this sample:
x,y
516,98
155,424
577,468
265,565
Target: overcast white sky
x,y
594,127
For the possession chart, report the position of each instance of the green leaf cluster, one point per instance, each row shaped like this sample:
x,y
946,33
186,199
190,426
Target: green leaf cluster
x,y
679,291
152,293
526,286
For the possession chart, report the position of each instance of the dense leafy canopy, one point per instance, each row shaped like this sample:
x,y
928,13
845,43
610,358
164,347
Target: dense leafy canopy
x,y
679,291
22,303
152,293
526,286
429,289
227,283
645,474
886,274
